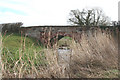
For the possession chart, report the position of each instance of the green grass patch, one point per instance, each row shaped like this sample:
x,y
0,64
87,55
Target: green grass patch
x,y
66,37
65,41
14,40
20,50
113,73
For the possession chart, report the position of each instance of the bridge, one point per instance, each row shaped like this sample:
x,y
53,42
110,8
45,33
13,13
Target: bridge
x,y
49,35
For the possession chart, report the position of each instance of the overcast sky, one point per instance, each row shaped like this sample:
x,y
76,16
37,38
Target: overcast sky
x,y
50,12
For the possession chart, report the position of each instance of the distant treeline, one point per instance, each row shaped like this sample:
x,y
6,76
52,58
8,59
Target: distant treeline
x,y
12,27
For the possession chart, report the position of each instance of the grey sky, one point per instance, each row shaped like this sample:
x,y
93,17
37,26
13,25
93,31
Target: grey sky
x,y
50,12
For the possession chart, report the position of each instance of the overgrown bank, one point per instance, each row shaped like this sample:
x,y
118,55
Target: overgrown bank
x,y
21,55
95,56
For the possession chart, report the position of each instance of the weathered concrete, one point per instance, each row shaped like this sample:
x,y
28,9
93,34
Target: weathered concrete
x,y
64,56
46,34
1,27
49,35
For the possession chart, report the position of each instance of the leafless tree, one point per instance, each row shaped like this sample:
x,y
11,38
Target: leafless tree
x,y
88,17
114,23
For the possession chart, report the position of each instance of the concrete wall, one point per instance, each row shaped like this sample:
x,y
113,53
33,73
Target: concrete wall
x,y
35,31
46,33
1,27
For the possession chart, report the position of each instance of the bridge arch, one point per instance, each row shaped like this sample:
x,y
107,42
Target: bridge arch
x,y
55,38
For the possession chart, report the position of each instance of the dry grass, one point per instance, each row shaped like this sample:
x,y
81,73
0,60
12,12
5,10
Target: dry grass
x,y
0,55
94,54
94,57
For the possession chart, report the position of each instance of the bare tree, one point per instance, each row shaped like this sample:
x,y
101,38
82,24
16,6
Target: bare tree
x,y
91,17
114,23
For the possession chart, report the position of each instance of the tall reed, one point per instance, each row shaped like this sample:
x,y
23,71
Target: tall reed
x,y
0,55
94,54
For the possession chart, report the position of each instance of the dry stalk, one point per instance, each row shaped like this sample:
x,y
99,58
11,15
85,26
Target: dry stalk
x,y
20,71
49,37
1,64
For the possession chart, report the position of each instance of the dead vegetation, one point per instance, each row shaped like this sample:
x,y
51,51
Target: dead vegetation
x,y
95,56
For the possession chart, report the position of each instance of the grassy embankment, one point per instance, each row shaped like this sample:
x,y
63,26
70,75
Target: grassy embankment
x,y
21,55
95,57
